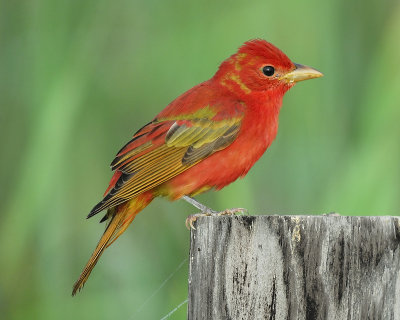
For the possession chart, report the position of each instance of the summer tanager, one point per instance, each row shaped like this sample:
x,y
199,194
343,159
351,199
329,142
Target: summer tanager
x,y
205,139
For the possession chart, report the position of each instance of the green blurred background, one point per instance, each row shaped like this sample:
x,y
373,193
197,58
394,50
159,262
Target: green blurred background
x,y
78,78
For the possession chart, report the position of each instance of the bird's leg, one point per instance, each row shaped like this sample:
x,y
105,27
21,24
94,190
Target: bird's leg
x,y
205,211
198,205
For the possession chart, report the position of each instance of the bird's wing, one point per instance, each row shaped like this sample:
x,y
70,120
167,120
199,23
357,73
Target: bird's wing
x,y
166,147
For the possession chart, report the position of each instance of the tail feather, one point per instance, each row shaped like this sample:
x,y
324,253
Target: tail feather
x,y
121,217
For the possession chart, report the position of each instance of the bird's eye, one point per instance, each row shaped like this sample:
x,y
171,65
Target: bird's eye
x,y
268,70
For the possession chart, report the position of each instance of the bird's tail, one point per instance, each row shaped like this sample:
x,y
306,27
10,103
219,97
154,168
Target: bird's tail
x,y
121,216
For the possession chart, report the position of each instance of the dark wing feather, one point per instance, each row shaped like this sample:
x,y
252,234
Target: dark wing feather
x,y
162,150
194,154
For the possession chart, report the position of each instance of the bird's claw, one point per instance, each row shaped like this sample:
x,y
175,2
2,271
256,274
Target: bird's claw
x,y
233,211
193,217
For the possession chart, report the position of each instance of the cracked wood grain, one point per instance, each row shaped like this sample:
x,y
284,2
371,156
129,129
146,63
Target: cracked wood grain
x,y
295,267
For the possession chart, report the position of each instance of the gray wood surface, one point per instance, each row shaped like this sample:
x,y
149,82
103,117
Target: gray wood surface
x,y
295,267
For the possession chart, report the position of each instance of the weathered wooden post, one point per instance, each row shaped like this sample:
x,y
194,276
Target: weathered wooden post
x,y
295,267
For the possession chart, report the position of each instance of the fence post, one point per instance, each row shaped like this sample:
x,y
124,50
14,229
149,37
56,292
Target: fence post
x,y
295,267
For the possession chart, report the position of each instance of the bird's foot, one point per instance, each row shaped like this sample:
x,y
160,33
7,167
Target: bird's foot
x,y
233,211
331,214
193,217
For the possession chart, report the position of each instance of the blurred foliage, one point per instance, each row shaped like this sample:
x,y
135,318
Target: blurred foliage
x,y
78,78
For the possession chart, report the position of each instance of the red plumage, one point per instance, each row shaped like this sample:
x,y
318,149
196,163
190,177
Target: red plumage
x,y
206,138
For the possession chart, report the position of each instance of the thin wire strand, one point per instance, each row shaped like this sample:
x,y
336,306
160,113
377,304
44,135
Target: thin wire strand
x,y
174,310
161,286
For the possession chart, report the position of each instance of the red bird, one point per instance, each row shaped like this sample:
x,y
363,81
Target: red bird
x,y
205,139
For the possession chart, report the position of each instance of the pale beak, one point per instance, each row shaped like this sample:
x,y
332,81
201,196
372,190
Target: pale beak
x,y
301,73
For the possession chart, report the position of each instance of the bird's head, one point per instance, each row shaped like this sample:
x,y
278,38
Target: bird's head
x,y
259,66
